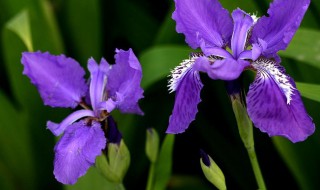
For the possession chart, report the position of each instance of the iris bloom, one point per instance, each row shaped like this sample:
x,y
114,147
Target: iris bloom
x,y
231,44
60,82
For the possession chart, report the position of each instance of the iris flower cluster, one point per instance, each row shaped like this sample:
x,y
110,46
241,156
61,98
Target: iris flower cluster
x,y
231,44
61,83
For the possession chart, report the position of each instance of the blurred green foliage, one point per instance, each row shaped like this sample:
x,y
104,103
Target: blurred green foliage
x,y
85,28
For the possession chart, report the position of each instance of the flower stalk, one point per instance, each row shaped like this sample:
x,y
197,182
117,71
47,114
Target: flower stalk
x,y
245,128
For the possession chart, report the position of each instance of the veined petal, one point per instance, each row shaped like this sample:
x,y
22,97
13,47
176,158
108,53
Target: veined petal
x,y
225,69
124,80
203,19
98,82
77,150
242,24
58,79
58,128
187,84
274,103
279,27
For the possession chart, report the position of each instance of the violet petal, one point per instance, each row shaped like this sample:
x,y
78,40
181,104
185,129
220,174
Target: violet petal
x,y
278,28
203,20
58,128
124,80
274,103
187,86
77,150
58,79
98,82
225,69
242,24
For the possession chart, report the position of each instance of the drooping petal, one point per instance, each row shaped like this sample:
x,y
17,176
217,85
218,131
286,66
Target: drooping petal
x,y
124,79
225,69
242,24
98,82
113,134
203,20
187,84
58,128
278,28
77,150
274,103
58,79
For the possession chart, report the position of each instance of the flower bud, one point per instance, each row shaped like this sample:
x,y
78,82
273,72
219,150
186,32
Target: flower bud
x,y
114,166
152,144
212,171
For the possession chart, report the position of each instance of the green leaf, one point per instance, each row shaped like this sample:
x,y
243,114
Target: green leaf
x,y
163,166
305,47
157,61
311,91
16,155
92,180
20,25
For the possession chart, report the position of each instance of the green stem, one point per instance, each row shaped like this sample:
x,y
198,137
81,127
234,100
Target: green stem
x,y
120,186
151,177
256,168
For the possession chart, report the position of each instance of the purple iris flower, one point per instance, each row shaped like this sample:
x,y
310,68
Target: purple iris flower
x,y
60,82
231,44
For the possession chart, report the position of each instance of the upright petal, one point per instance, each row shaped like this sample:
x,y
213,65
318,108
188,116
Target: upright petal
x,y
242,24
98,82
274,103
58,128
59,79
203,20
124,80
77,150
279,27
225,69
186,82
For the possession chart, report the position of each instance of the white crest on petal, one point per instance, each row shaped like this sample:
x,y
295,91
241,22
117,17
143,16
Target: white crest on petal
x,y
270,69
255,17
180,71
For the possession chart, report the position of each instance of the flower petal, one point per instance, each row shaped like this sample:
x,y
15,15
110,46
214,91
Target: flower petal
x,y
59,79
242,24
124,82
274,103
279,27
203,20
225,69
98,82
77,150
186,82
58,129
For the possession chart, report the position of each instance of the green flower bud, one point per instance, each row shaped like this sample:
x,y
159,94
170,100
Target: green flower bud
x,y
114,166
152,144
212,171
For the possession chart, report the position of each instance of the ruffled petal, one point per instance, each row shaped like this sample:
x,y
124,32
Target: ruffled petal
x,y
58,128
124,80
274,103
225,69
58,79
278,28
242,24
203,20
98,82
77,150
187,84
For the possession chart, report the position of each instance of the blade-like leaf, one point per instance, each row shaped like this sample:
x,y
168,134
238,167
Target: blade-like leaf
x,y
20,25
311,91
163,165
304,47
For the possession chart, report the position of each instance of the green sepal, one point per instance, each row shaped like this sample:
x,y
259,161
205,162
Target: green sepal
x,y
244,122
115,165
152,145
213,174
